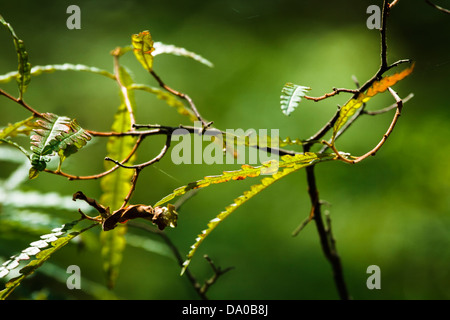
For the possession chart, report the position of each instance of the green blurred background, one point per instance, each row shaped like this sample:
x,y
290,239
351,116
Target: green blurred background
x,y
391,210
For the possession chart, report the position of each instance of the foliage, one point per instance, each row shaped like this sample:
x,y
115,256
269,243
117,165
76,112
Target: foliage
x,y
50,135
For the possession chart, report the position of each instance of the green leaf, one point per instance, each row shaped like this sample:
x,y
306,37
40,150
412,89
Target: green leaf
x,y
24,67
55,240
38,70
161,48
292,164
116,185
20,127
291,95
246,171
55,135
143,47
349,109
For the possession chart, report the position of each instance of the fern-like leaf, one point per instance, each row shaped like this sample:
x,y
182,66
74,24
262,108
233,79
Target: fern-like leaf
x,y
38,70
246,171
291,95
22,127
292,164
55,135
53,241
178,51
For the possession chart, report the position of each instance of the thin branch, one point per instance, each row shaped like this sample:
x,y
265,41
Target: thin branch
x,y
167,130
387,109
21,102
99,175
195,284
302,224
218,272
399,104
384,15
150,162
438,7
182,96
393,3
333,93
322,132
326,239
133,187
328,249
200,289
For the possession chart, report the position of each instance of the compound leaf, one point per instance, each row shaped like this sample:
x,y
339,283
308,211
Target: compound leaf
x,y
55,135
171,49
349,109
291,164
291,95
247,171
38,70
53,241
116,185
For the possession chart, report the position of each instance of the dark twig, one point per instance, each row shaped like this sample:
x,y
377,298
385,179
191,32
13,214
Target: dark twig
x,y
372,152
200,289
438,7
326,238
148,163
328,248
387,109
183,96
175,252
218,272
99,175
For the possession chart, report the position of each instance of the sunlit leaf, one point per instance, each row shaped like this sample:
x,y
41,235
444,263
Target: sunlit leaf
x,y
143,47
38,70
116,185
21,127
291,164
246,171
55,135
349,109
171,49
55,240
291,95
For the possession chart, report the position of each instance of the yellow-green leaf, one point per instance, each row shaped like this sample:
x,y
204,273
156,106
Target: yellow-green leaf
x,y
143,47
247,171
43,249
349,109
291,164
115,186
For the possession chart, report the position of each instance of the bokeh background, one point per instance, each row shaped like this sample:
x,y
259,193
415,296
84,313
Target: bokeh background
x,y
391,210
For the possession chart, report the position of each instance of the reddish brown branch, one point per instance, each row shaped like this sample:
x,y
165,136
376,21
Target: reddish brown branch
x,y
399,104
333,93
21,102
